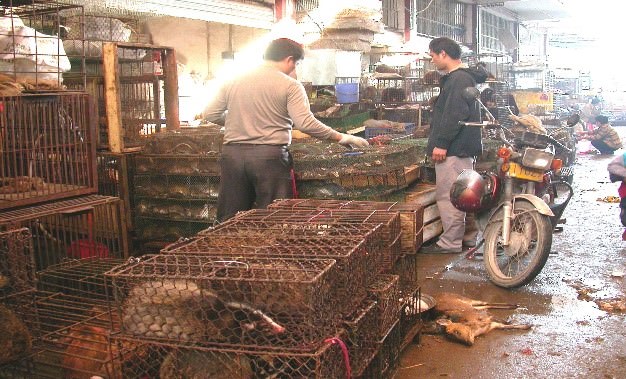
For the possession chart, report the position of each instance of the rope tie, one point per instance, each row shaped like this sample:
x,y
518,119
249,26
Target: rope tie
x,y
344,351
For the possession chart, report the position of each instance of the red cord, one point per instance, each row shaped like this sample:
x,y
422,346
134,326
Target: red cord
x,y
344,351
293,183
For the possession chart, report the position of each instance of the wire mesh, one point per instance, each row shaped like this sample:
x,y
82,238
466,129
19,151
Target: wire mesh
x,y
389,234
173,187
32,55
411,312
78,277
69,336
361,335
203,141
350,253
17,263
116,173
385,290
323,160
213,300
167,164
167,361
47,149
88,226
411,215
406,268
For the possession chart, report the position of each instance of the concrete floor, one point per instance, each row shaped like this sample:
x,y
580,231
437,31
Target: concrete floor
x,y
571,337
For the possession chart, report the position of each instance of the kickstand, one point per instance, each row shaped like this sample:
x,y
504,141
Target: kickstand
x,y
471,253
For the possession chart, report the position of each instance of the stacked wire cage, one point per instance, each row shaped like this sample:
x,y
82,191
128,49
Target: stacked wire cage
x,y
176,182
248,316
329,171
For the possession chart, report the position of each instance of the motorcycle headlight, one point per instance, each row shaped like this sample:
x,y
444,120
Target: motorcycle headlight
x,y
535,158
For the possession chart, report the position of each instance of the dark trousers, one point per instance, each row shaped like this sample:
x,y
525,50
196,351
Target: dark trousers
x,y
602,147
252,176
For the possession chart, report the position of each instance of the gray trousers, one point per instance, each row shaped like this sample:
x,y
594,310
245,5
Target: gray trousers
x,y
252,176
453,220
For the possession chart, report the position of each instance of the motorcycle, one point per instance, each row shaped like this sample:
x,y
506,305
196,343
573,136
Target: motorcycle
x,y
511,205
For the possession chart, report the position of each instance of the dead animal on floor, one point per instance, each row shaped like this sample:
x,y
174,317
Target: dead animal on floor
x,y
463,319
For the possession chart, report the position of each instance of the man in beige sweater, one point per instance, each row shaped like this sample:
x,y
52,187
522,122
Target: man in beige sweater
x,y
262,108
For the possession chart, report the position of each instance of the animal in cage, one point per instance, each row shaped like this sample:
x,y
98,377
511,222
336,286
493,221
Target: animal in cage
x,y
21,184
393,95
182,310
195,364
15,339
464,319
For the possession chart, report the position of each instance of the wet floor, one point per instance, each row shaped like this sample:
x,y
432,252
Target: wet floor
x,y
575,333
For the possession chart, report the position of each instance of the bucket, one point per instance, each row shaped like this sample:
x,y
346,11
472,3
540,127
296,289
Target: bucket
x,y
347,93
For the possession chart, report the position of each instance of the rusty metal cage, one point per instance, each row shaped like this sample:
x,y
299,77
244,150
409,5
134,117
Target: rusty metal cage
x,y
32,55
354,258
200,141
78,277
385,363
177,187
362,336
17,263
406,268
411,322
389,235
385,290
165,361
212,300
69,336
116,173
411,215
47,148
88,226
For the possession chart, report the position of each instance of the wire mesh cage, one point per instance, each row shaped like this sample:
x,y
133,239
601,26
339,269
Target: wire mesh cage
x,y
32,55
69,336
78,277
177,187
385,291
47,148
17,264
323,160
116,173
389,235
155,360
356,255
411,313
177,164
361,336
385,363
411,215
154,233
213,300
88,226
406,268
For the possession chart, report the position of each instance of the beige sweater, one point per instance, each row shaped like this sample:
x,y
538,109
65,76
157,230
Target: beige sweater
x,y
263,106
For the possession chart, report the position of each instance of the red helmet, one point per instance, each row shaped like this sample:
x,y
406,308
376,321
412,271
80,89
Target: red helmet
x,y
472,192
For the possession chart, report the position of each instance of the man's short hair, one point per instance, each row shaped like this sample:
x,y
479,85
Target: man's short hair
x,y
451,48
602,119
282,48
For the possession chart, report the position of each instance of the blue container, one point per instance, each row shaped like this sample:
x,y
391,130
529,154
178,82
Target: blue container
x,y
347,93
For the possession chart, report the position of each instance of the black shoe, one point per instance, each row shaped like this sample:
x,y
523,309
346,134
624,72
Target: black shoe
x,y
436,249
469,243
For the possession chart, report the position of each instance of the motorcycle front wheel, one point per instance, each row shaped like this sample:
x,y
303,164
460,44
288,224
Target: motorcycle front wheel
x,y
523,259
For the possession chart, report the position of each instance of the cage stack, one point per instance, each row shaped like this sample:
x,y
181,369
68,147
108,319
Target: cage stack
x,y
176,182
328,171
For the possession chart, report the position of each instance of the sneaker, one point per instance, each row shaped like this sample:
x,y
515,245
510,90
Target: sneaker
x,y
436,249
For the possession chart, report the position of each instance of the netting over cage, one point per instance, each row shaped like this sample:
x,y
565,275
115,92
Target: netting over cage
x,y
212,300
324,160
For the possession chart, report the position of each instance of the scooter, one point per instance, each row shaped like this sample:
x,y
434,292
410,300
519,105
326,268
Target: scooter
x,y
517,224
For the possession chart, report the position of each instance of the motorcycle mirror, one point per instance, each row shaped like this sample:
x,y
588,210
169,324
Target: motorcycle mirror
x,y
573,119
471,93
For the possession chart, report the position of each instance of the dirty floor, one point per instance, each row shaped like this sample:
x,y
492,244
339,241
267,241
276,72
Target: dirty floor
x,y
574,333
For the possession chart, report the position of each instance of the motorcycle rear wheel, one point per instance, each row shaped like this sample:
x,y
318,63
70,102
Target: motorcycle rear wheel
x,y
531,239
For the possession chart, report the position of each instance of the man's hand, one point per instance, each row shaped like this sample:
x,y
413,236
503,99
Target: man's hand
x,y
439,155
352,141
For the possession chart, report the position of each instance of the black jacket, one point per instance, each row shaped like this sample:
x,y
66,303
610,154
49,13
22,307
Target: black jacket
x,y
450,108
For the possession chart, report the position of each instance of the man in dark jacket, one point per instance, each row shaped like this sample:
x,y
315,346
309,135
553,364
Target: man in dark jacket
x,y
451,146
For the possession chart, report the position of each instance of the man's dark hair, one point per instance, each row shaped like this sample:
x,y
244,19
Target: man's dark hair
x,y
602,119
282,48
451,48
